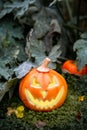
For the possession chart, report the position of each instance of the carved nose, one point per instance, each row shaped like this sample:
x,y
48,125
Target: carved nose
x,y
44,93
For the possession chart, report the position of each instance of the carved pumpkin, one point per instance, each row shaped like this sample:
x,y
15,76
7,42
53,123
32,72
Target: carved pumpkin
x,y
43,89
70,66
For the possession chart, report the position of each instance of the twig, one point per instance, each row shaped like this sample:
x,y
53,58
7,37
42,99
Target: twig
x,y
73,27
78,16
69,9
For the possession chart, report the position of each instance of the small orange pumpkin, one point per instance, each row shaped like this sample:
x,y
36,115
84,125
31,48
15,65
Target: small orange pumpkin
x,y
70,66
43,89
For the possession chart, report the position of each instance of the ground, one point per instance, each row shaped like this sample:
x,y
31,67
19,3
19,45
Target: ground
x,y
71,115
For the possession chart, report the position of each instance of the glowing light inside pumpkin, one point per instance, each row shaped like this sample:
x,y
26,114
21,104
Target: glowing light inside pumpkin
x,y
44,104
35,84
54,83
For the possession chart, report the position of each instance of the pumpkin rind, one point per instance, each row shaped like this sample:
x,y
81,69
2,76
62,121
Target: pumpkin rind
x,y
70,66
43,91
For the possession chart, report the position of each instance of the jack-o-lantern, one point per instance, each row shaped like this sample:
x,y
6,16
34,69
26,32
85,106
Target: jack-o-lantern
x,y
70,66
43,89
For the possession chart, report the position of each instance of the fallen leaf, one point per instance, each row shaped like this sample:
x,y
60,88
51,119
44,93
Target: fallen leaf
x,y
81,98
78,116
10,111
40,124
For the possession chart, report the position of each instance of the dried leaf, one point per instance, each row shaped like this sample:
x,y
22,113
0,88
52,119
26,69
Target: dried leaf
x,y
79,116
23,69
81,98
54,31
10,111
6,87
40,124
55,26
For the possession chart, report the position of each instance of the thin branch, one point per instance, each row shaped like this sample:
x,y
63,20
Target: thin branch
x,y
78,16
69,9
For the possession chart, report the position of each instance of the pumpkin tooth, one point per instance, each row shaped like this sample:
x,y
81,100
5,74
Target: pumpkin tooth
x,y
44,93
44,104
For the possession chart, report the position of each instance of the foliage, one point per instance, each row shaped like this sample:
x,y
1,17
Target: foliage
x,y
9,85
31,30
12,38
18,7
80,46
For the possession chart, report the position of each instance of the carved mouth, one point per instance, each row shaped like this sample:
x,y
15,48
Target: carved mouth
x,y
40,104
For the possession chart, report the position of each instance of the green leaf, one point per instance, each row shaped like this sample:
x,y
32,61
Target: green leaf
x,y
5,70
4,60
55,53
18,7
84,35
4,73
80,46
5,10
1,3
9,60
9,31
38,51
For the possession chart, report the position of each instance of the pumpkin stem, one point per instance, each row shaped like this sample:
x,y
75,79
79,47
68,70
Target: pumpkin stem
x,y
44,65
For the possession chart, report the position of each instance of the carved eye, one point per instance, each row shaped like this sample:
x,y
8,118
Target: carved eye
x,y
35,84
54,83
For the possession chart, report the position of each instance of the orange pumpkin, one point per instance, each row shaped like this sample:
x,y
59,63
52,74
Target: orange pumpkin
x,y
43,89
70,66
